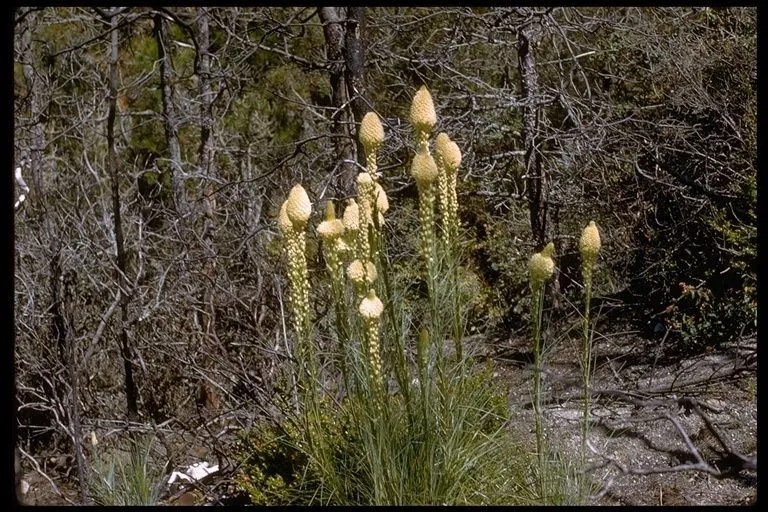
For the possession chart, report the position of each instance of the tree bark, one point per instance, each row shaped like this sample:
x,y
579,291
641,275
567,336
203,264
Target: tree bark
x,y
345,149
131,392
205,150
67,301
170,116
542,227
354,72
207,394
538,184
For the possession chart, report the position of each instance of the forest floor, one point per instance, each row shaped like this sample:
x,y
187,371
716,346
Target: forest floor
x,y
639,387
633,420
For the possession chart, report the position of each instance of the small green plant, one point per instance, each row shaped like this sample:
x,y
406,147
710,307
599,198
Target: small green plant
x,y
752,389
126,478
273,466
556,479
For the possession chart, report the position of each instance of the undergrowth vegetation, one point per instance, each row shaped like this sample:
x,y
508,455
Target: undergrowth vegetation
x,y
126,477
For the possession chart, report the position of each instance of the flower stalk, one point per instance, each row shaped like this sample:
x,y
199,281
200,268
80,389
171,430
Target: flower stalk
x,y
424,169
331,231
541,266
589,247
370,310
292,219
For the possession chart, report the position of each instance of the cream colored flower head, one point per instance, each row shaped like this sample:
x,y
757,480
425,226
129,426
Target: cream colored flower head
x,y
360,273
94,439
286,226
382,201
423,115
424,168
451,156
331,227
364,179
298,208
351,218
441,141
371,133
371,306
589,244
541,266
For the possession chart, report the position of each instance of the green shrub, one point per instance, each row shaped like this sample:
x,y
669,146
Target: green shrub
x,y
272,464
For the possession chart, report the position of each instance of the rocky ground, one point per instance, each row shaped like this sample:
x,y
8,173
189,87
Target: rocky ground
x,y
639,419
647,416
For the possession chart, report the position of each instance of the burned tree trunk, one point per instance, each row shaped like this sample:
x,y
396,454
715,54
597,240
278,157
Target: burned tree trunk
x,y
538,186
205,150
207,394
67,301
61,331
345,169
354,72
537,182
131,392
205,162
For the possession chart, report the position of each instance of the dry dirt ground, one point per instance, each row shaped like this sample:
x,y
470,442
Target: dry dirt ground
x,y
632,421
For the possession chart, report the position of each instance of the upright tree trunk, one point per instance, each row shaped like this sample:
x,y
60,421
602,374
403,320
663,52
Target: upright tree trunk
x,y
67,301
18,471
354,72
61,330
170,116
538,185
207,395
205,150
131,392
542,227
344,147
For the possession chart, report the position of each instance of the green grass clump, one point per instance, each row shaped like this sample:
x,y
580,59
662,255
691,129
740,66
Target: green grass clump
x,y
126,478
459,452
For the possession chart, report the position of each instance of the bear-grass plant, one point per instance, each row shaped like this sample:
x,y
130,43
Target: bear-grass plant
x,y
414,418
557,478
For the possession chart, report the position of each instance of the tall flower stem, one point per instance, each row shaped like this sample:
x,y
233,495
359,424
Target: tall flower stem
x,y
586,351
589,246
397,349
340,318
427,221
541,267
331,230
536,314
448,158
